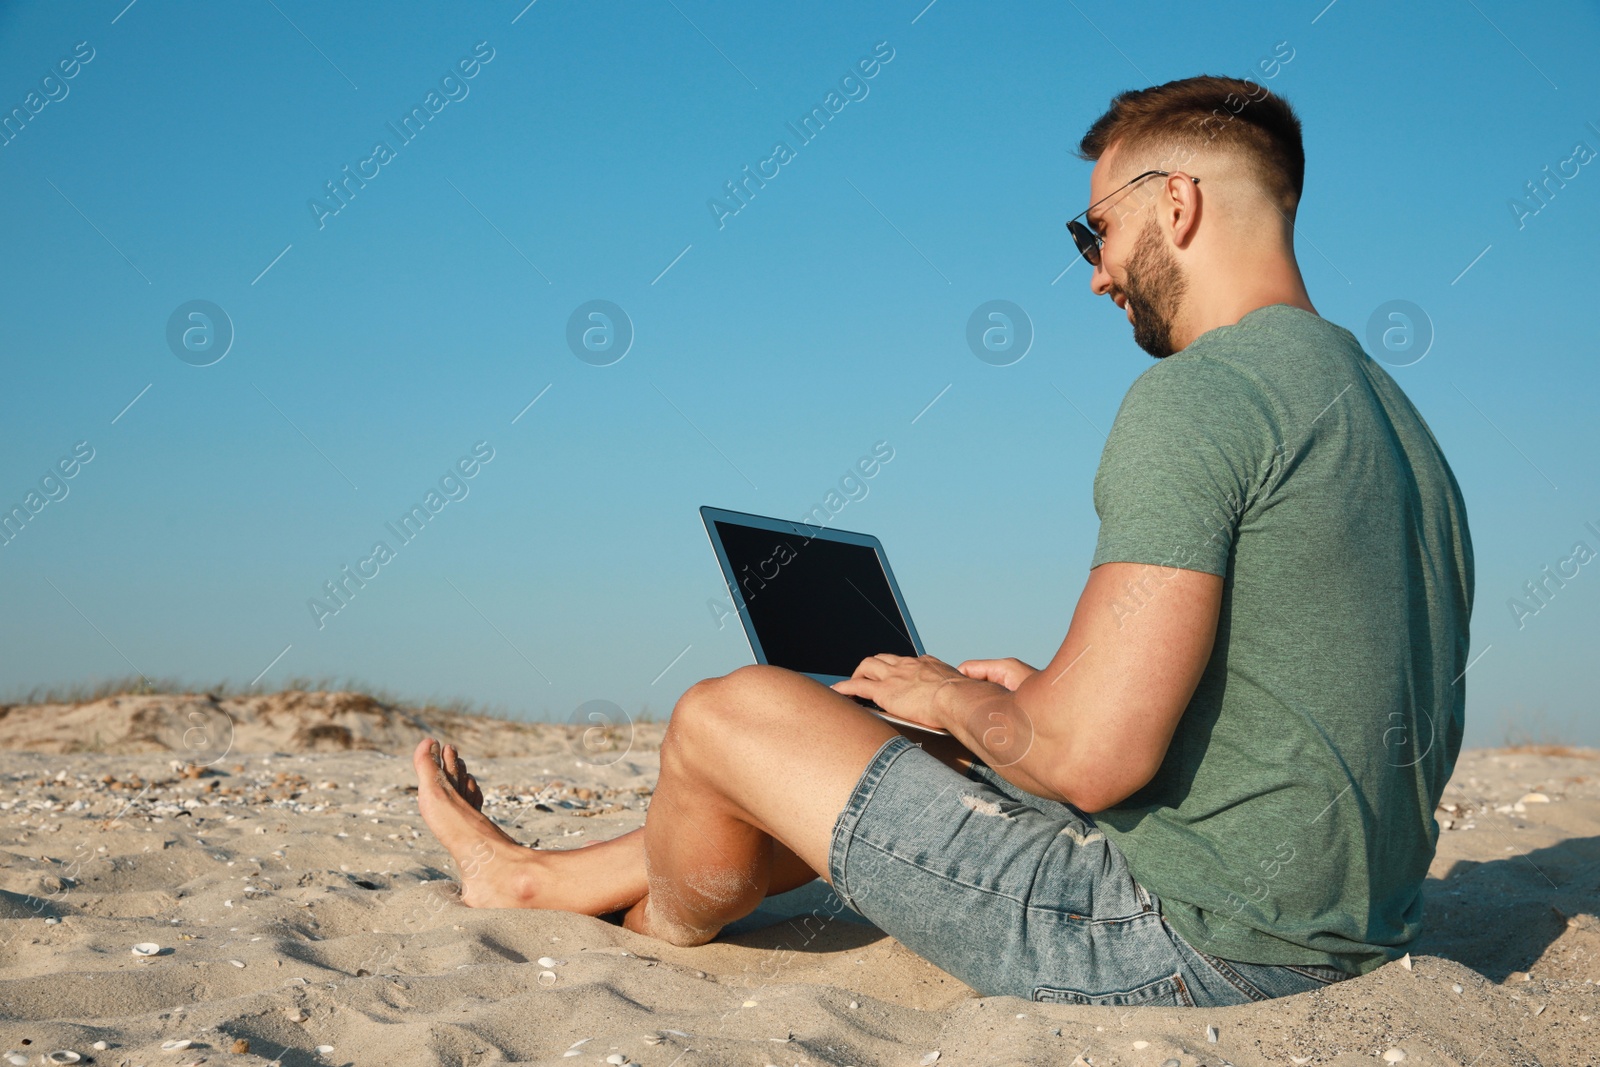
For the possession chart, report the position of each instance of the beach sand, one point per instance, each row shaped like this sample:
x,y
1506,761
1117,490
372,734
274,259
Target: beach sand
x,y
271,847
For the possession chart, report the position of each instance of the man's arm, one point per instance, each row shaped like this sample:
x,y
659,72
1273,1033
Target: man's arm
x,y
1093,726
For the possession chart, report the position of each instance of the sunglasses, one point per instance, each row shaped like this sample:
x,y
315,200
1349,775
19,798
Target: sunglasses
x,y
1087,240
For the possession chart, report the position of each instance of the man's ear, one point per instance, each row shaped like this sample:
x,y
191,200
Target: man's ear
x,y
1182,203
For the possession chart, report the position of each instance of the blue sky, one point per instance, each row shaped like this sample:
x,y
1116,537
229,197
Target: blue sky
x,y
372,348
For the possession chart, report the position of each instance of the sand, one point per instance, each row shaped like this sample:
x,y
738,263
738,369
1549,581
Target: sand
x,y
271,847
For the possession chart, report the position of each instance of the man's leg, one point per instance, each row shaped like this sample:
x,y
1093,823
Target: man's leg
x,y
759,759
755,769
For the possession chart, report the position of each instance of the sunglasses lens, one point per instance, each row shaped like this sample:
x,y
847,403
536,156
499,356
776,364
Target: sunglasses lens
x,y
1088,244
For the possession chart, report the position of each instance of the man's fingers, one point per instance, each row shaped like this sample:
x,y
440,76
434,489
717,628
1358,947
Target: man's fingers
x,y
982,669
872,666
1009,672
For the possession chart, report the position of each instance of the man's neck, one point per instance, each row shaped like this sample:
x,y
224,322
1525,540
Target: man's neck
x,y
1246,285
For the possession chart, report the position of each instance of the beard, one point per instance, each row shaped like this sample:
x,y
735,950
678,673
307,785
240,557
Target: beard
x,y
1154,288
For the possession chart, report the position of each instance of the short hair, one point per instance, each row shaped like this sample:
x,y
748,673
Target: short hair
x,y
1186,115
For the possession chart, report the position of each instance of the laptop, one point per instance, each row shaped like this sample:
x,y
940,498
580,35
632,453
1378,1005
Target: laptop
x,y
814,600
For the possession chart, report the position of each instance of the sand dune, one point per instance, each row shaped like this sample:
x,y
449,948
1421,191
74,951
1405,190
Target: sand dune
x,y
277,859
203,728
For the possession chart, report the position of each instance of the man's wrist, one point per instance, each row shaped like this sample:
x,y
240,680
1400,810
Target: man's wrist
x,y
947,702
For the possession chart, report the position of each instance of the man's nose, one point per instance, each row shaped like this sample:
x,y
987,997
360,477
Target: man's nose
x,y
1100,280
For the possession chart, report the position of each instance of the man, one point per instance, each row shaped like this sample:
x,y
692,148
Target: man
x,y
1221,788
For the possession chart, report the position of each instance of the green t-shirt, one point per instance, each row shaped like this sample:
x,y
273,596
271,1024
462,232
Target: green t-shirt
x,y
1291,820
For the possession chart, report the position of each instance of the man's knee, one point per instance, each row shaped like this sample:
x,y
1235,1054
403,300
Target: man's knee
x,y
756,681
717,708
751,686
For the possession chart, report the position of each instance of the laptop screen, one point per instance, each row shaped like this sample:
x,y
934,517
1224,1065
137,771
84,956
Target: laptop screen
x,y
818,606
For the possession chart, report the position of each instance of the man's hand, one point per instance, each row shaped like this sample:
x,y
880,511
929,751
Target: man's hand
x,y
1009,672
904,686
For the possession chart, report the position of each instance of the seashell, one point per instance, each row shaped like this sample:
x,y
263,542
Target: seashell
x,y
147,948
930,1059
546,961
63,1056
176,1046
237,963
616,1059
1456,988
1211,1034
323,1050
652,1039
1534,798
1394,1055
1405,961
100,1046
16,1058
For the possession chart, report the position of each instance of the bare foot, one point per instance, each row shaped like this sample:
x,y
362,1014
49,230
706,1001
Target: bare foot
x,y
496,872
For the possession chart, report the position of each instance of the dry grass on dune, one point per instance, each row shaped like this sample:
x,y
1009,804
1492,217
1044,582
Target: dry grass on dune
x,y
204,727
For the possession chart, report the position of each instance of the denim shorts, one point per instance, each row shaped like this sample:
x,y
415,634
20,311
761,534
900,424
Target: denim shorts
x,y
1020,896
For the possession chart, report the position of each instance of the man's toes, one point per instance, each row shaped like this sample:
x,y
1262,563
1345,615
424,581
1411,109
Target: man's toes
x,y
466,784
449,763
